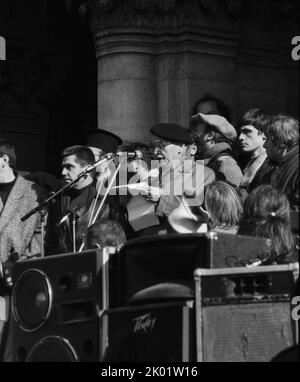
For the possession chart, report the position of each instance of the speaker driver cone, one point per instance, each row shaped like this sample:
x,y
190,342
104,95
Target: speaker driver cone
x,y
32,299
53,349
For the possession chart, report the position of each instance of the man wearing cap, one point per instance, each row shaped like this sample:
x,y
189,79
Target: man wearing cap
x,y
183,180
102,142
214,136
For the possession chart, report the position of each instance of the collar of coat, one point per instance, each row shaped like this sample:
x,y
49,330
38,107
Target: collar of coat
x,y
17,192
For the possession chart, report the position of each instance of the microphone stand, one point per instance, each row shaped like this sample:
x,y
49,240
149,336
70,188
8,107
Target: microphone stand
x,y
43,213
93,220
41,206
74,231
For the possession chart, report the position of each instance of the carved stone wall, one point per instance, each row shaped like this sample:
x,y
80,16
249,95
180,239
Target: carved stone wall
x,y
156,57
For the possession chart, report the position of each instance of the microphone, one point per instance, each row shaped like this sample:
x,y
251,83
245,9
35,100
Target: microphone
x,y
69,212
132,155
96,164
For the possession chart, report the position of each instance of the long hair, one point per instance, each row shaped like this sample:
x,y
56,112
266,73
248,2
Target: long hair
x,y
223,204
267,214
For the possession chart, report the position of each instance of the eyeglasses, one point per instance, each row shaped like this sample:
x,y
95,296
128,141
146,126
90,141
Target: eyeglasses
x,y
162,144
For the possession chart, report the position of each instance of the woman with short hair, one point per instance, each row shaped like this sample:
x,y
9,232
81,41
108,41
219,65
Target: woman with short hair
x,y
224,207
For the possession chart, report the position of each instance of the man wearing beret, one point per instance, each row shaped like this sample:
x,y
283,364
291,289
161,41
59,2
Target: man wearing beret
x,y
102,142
214,136
183,180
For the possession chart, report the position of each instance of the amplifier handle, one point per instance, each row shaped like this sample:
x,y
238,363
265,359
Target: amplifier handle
x,y
294,267
199,325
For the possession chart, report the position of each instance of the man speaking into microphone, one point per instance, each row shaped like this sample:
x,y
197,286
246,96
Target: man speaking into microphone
x,y
70,214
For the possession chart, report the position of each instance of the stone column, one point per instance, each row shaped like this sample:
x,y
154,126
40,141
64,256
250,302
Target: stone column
x,y
156,57
127,91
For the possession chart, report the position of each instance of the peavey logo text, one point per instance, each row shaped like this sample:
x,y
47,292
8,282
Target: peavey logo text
x,y
145,322
2,49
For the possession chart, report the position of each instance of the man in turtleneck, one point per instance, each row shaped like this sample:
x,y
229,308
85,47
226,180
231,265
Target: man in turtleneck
x,y
75,206
252,138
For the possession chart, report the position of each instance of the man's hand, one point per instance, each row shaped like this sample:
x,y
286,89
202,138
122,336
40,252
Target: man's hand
x,y
154,194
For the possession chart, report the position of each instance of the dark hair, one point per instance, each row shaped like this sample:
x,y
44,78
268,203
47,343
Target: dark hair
x,y
105,233
84,155
223,204
222,108
6,148
283,131
267,214
259,118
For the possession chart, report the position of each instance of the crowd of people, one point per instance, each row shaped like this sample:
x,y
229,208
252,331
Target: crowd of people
x,y
209,175
206,176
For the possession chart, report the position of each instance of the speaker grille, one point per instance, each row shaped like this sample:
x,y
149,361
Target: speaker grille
x,y
52,349
32,299
246,332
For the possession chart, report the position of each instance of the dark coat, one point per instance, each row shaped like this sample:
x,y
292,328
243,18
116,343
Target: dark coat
x,y
285,177
263,175
59,238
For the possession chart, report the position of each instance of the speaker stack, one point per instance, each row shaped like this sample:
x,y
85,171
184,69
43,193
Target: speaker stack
x,y
55,306
244,315
155,300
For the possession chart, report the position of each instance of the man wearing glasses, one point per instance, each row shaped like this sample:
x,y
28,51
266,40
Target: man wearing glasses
x,y
183,180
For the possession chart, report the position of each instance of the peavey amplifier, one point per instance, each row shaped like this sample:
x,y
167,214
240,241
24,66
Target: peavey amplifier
x,y
172,258
55,305
244,315
149,333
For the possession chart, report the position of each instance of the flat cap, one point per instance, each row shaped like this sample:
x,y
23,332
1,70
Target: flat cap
x,y
172,132
103,139
220,124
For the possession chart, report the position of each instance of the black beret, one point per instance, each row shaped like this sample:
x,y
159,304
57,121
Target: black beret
x,y
172,132
102,139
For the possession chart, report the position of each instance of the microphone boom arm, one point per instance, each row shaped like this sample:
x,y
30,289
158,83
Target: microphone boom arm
x,y
89,169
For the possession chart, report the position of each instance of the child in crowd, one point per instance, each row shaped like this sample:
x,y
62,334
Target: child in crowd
x,y
224,207
105,233
267,214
